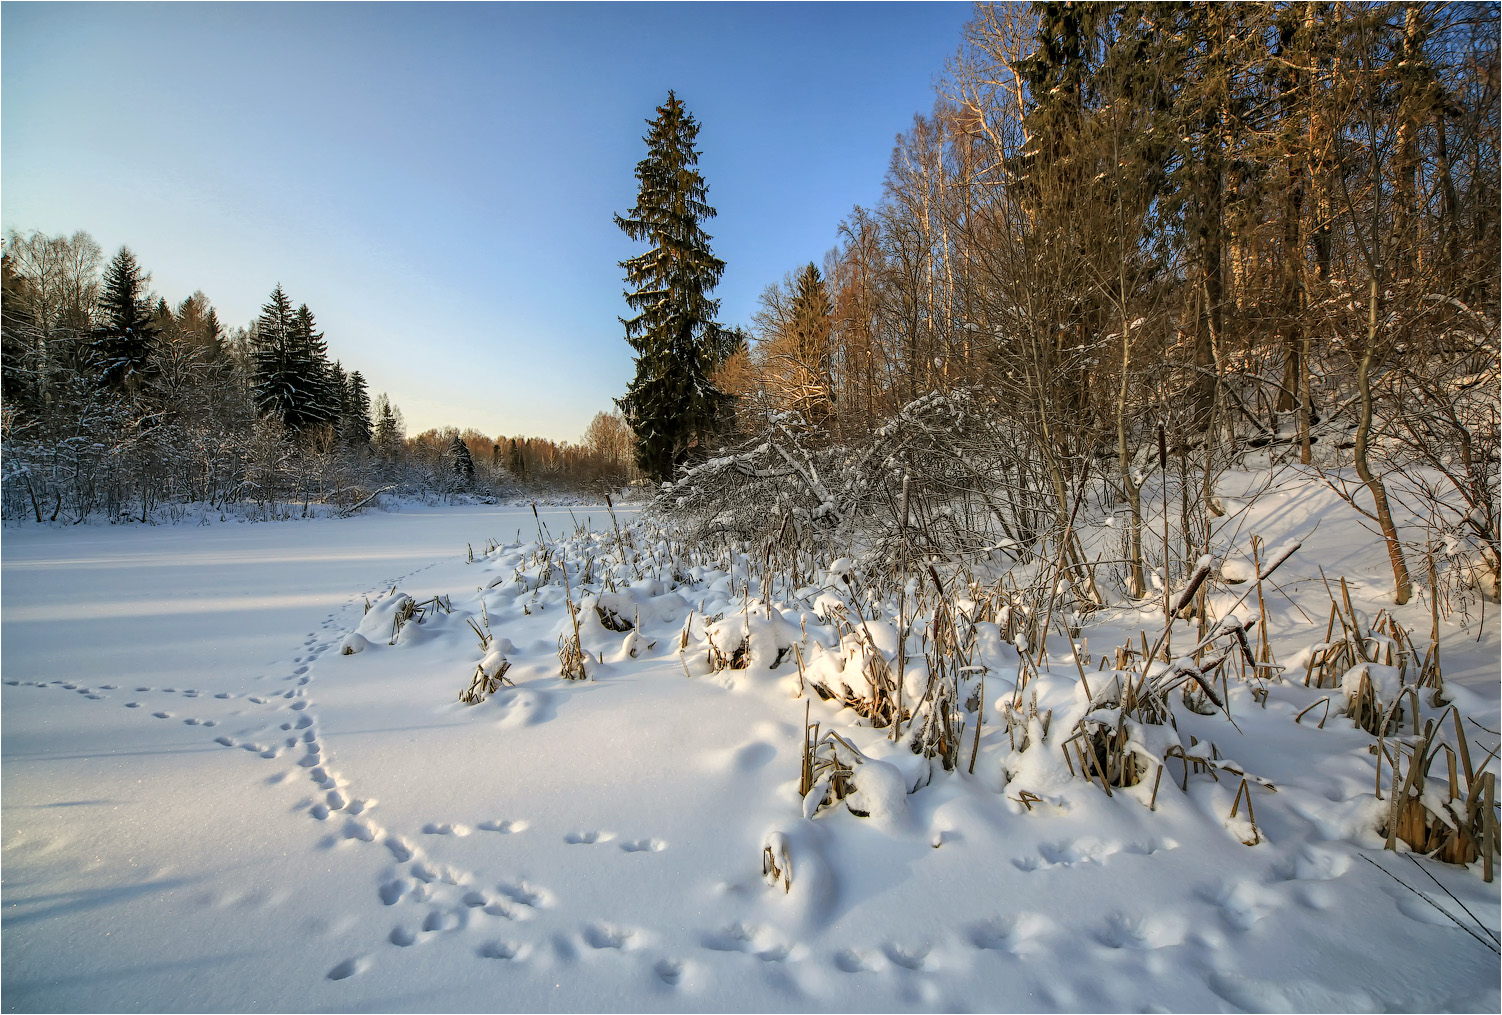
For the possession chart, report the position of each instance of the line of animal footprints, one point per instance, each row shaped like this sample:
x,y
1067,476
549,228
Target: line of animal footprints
x,y
93,693
598,936
629,846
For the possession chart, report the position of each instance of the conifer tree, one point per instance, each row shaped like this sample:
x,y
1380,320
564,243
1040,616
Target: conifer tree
x,y
338,395
123,341
460,460
516,460
357,427
212,335
671,405
290,367
390,431
275,382
316,401
813,320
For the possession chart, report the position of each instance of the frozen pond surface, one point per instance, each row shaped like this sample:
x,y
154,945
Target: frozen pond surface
x,y
146,867
206,806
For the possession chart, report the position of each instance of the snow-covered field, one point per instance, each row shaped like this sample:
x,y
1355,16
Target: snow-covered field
x,y
206,806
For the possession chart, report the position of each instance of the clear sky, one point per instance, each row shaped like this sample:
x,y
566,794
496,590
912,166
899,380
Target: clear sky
x,y
436,181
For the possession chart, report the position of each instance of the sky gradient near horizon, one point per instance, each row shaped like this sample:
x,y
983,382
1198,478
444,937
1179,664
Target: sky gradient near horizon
x,y
437,181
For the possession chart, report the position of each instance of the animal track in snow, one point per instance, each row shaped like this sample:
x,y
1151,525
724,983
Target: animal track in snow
x,y
347,968
524,894
1086,850
604,935
851,961
1016,934
752,940
586,838
392,891
506,950
914,958
434,828
402,937
501,909
1241,904
1313,864
643,846
354,829
1123,931
504,827
439,920
669,971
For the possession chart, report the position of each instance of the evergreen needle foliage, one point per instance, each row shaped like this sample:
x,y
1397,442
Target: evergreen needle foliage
x,y
671,404
124,339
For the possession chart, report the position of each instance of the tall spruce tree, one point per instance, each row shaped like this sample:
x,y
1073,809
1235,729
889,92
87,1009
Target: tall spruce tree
x,y
275,383
357,427
671,405
460,460
126,335
290,367
516,460
317,400
812,323
390,430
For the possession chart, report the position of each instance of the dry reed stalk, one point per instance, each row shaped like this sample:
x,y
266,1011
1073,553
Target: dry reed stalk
x,y
980,712
1323,701
769,868
570,651
830,762
482,685
1264,643
1245,792
1464,827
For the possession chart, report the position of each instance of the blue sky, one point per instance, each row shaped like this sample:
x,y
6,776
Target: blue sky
x,y
436,181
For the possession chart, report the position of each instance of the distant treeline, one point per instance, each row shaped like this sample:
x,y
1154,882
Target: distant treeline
x,y
118,404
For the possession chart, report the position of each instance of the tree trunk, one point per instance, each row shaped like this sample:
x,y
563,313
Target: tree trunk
x,y
1136,575
1404,586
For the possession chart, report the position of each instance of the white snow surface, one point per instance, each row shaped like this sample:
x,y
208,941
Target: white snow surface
x,y
207,806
